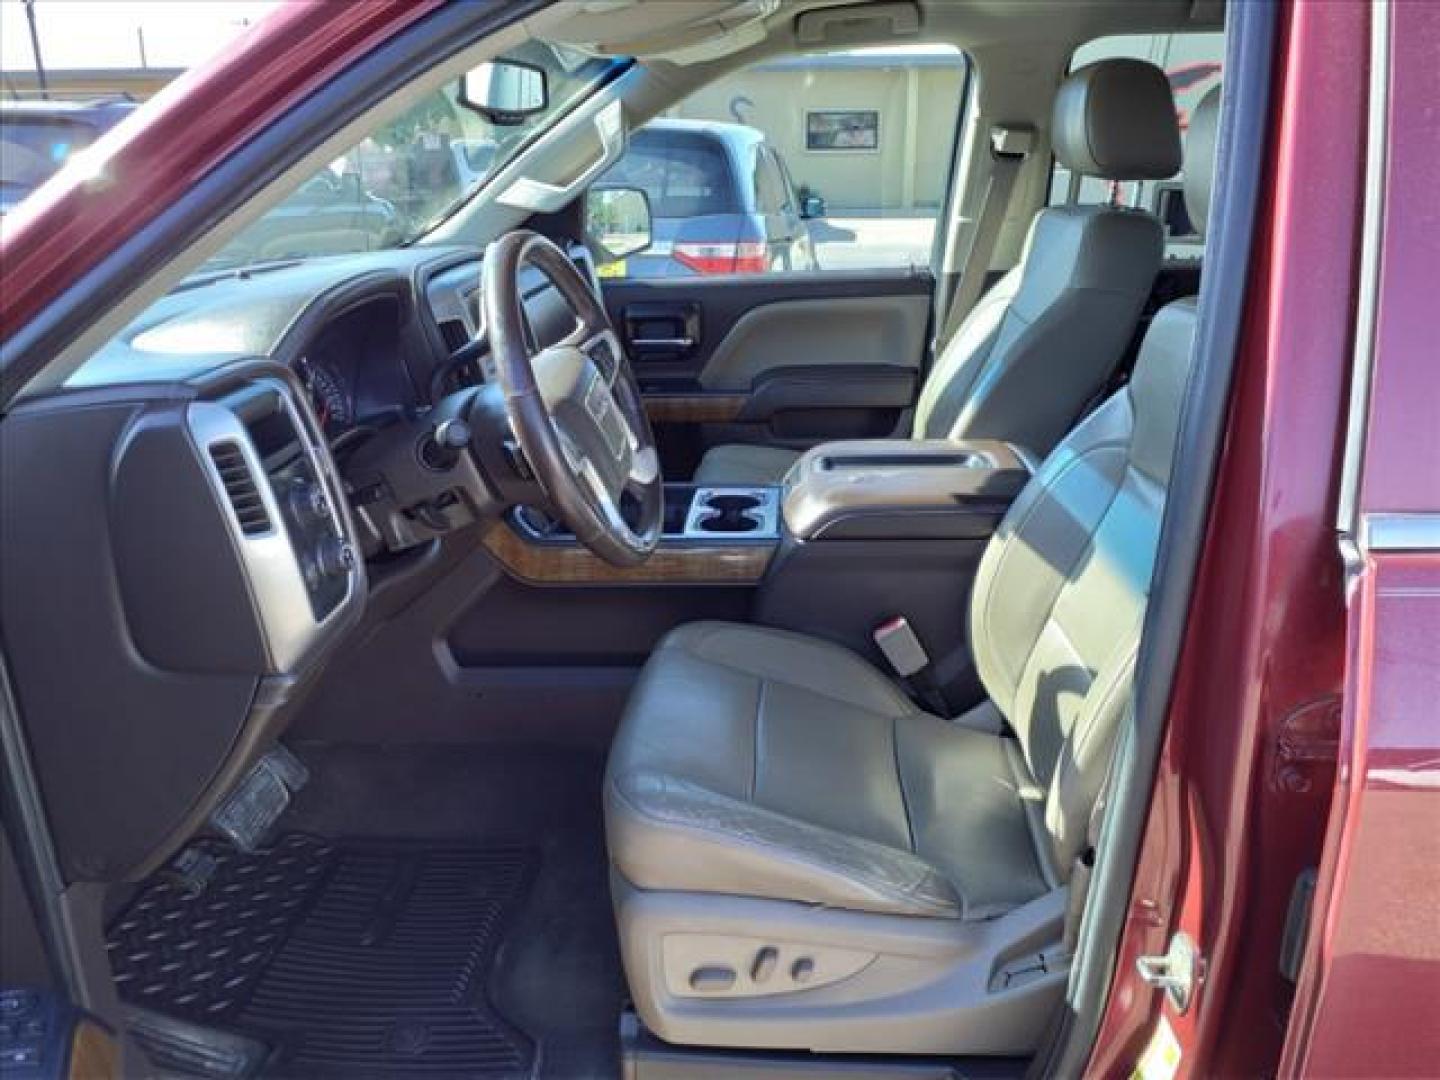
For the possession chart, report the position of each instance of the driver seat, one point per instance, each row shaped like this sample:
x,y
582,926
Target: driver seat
x,y
802,858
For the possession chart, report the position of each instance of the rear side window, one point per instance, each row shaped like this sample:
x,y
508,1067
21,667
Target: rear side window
x,y
684,174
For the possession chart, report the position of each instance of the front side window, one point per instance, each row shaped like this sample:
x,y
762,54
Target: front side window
x,y
832,161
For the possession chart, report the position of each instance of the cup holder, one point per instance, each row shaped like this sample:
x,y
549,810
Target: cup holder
x,y
732,512
729,514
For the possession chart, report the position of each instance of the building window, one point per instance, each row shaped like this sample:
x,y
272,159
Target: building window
x,y
842,129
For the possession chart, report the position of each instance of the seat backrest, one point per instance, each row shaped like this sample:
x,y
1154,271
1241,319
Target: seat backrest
x,y
1044,340
1060,595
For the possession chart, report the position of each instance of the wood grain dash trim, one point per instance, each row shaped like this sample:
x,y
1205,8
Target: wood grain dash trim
x,y
694,408
672,564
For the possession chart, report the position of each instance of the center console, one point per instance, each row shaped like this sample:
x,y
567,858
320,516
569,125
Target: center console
x,y
878,528
711,535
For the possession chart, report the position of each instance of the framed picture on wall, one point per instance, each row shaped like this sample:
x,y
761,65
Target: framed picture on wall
x,y
842,129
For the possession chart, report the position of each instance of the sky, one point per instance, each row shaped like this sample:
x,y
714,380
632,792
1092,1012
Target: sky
x,y
102,33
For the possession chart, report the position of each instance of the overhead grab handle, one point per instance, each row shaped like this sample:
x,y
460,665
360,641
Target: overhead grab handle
x,y
527,193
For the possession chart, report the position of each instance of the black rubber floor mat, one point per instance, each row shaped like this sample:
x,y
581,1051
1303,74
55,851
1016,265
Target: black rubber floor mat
x,y
353,959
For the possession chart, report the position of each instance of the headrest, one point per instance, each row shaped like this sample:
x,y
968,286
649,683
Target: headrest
x,y
1199,176
1116,119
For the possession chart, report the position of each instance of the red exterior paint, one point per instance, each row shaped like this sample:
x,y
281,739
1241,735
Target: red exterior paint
x,y
1369,1001
1402,454
192,125
1228,830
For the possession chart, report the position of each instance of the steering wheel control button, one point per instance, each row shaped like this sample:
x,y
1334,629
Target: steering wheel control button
x,y
802,970
764,964
712,980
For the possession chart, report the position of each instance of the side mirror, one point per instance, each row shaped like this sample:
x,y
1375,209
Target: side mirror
x,y
505,92
617,221
812,206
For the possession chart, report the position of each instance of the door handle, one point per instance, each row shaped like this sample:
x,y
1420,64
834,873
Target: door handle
x,y
661,330
667,343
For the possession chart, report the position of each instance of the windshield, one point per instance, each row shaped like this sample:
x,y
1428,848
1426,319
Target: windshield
x,y
404,178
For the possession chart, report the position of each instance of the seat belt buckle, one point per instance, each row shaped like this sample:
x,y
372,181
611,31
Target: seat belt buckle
x,y
901,646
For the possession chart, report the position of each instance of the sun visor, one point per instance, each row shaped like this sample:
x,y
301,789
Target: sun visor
x,y
685,31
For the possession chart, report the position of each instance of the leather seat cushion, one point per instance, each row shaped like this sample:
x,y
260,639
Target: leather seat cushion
x,y
756,762
743,465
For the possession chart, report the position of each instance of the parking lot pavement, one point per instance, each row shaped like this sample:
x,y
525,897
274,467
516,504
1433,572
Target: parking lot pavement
x,y
871,242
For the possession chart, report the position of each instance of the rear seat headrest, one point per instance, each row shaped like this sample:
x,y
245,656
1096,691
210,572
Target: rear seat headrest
x,y
1116,119
1200,144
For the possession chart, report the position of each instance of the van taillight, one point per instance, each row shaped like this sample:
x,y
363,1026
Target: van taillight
x,y
745,257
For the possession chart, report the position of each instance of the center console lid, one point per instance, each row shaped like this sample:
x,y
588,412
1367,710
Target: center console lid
x,y
888,489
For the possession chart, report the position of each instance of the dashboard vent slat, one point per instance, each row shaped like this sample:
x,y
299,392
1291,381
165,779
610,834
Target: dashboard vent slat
x,y
240,487
454,333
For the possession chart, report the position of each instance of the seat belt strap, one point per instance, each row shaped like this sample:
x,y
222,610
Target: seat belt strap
x,y
1009,147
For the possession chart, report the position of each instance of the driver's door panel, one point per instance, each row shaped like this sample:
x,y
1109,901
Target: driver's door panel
x,y
781,360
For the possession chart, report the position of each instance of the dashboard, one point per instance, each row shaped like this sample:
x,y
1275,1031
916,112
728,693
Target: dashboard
x,y
197,488
369,335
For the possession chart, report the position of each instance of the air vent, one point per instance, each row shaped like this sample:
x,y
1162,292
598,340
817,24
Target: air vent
x,y
240,486
454,333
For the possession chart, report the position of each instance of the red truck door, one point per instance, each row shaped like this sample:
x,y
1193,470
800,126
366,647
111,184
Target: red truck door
x,y
1368,1001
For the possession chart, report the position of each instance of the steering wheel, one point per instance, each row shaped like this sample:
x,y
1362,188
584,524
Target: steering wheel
x,y
574,406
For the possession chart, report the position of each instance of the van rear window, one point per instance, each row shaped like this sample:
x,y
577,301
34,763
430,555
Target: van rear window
x,y
684,174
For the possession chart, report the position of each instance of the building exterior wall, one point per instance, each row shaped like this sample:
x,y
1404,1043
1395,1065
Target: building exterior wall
x,y
140,84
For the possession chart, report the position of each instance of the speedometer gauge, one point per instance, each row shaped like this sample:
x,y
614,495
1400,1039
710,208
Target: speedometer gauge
x,y
329,395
